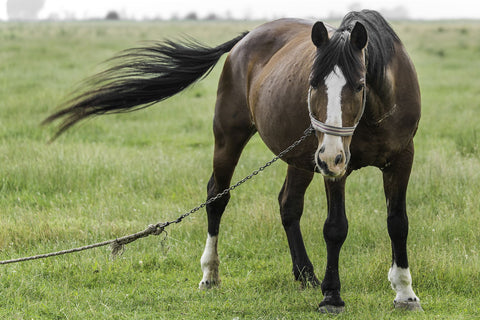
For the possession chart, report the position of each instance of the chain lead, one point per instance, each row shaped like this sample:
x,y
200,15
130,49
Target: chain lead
x,y
117,245
306,134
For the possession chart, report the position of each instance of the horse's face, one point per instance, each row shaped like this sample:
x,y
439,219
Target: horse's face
x,y
336,105
336,100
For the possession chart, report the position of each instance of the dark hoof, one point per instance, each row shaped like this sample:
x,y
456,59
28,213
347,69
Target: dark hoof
x,y
332,303
408,305
331,309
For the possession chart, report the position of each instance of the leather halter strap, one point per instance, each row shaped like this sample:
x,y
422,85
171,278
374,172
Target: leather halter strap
x,y
333,130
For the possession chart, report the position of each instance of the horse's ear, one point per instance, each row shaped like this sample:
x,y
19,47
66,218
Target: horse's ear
x,y
358,36
319,34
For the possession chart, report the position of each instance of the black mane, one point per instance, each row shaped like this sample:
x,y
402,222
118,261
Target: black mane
x,y
339,51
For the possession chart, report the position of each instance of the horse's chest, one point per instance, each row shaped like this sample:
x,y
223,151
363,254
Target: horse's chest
x,y
375,149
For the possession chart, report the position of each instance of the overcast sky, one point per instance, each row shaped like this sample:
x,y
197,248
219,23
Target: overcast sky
x,y
268,9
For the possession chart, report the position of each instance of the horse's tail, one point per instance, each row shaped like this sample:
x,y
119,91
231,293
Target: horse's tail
x,y
142,77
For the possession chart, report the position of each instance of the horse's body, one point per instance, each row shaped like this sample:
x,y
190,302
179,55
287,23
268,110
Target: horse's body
x,y
264,88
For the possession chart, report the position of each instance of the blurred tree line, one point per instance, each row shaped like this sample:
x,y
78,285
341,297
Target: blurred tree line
x,y
30,9
24,9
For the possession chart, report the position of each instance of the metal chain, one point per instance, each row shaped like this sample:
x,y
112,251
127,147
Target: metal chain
x,y
117,245
306,134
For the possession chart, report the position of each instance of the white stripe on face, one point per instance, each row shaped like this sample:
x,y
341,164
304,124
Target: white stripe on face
x,y
333,145
335,82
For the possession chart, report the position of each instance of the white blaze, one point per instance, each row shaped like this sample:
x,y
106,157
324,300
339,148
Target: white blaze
x,y
334,82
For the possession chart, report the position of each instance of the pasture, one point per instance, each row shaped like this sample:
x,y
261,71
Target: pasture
x,y
114,175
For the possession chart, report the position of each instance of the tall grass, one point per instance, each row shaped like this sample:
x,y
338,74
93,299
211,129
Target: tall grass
x,y
114,175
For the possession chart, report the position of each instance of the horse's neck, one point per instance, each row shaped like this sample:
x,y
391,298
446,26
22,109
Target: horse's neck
x,y
380,103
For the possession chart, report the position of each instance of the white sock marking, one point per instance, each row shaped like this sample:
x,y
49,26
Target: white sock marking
x,y
401,281
209,263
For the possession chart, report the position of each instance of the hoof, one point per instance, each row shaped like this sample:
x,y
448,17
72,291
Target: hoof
x,y
208,284
408,305
331,309
332,303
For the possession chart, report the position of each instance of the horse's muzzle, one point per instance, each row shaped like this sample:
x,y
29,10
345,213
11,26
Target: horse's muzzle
x,y
322,168
333,166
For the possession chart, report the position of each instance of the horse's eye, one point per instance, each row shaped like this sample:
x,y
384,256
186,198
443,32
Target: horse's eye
x,y
360,87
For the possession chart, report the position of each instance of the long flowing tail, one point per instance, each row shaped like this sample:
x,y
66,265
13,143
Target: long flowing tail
x,y
142,77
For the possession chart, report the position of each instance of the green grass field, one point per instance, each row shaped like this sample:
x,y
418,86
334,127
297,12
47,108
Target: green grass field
x,y
114,175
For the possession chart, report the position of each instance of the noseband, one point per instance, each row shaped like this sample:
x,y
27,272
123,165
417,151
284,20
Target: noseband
x,y
333,130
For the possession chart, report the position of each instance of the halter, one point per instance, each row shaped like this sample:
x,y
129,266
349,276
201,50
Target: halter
x,y
333,130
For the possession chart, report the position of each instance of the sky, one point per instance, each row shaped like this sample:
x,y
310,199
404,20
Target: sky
x,y
257,9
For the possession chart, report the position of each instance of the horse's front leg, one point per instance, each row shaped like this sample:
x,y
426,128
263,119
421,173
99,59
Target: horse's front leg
x,y
335,232
395,181
291,200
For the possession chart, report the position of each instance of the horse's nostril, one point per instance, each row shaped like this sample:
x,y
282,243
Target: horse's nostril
x,y
322,164
338,159
322,149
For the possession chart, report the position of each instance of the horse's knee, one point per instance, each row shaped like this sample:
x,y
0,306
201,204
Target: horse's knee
x,y
290,209
289,218
335,232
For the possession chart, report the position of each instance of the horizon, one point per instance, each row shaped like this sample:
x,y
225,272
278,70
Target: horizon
x,y
59,10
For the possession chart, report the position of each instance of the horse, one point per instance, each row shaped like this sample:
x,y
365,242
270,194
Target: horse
x,y
355,85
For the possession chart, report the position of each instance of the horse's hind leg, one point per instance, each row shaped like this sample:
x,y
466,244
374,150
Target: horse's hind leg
x,y
395,181
291,208
232,129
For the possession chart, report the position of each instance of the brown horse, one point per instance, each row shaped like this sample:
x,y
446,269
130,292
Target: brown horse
x,y
355,85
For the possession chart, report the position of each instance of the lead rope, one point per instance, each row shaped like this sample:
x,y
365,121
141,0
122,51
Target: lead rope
x,y
118,245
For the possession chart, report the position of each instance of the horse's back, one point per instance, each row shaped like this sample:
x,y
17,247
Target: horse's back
x,y
266,40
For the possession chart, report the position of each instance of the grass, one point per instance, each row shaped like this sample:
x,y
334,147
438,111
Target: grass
x,y
114,175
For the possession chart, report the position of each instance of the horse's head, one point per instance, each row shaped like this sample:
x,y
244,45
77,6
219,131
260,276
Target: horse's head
x,y
337,94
